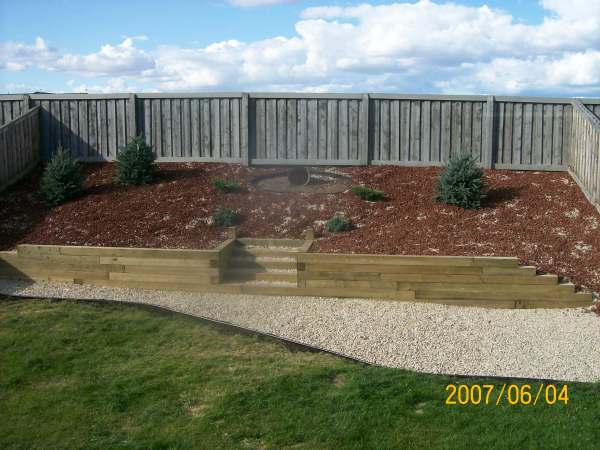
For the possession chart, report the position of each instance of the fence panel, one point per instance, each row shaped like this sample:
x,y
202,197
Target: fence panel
x,y
90,127
193,127
427,130
532,134
306,129
19,147
12,106
584,159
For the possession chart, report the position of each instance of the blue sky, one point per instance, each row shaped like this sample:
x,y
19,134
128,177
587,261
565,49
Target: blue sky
x,y
545,47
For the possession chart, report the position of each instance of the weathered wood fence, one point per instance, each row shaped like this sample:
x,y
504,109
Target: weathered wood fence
x,y
528,133
584,154
19,147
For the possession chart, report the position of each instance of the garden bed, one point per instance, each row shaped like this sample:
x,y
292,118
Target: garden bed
x,y
540,217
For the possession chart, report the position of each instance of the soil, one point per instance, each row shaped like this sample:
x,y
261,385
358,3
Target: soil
x,y
540,217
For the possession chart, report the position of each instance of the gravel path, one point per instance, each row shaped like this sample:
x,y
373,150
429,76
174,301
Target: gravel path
x,y
557,344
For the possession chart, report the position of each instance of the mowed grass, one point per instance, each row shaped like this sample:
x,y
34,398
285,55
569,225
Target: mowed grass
x,y
80,375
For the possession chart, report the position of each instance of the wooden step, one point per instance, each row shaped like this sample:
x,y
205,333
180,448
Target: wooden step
x,y
264,251
262,262
288,276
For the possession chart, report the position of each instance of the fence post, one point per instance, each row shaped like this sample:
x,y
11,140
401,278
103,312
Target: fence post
x,y
365,127
244,129
132,115
25,104
488,150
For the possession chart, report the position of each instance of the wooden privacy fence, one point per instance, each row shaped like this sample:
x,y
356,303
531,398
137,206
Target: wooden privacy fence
x,y
528,133
19,147
584,155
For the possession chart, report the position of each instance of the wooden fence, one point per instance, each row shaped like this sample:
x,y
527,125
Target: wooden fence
x,y
584,158
12,106
19,147
528,133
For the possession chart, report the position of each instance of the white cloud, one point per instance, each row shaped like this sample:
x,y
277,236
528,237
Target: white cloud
x,y
422,46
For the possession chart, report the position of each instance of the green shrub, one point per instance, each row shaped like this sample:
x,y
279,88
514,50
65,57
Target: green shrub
x,y
461,183
226,185
366,193
135,163
337,224
62,179
224,217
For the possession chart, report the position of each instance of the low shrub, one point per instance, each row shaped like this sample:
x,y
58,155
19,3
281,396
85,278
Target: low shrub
x,y
366,193
135,163
62,179
224,217
338,223
226,185
462,183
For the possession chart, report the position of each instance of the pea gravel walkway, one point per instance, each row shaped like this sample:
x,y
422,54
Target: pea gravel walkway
x,y
559,344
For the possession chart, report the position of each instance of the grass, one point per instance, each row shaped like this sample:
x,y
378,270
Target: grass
x,y
78,375
369,194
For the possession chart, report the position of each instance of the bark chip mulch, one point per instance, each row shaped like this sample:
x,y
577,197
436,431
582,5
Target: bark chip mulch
x,y
540,217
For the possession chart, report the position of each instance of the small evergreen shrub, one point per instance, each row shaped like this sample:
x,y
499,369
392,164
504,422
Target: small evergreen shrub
x,y
337,224
62,179
135,163
462,183
226,185
224,217
366,193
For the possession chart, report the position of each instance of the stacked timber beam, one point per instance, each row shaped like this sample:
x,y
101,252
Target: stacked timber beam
x,y
460,280
456,280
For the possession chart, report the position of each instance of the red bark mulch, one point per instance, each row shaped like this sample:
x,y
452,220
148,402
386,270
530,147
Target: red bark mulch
x,y
540,217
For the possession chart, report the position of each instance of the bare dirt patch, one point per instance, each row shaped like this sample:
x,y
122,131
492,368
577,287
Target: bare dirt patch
x,y
540,217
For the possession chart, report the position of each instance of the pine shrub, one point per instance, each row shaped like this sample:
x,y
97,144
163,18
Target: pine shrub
x,y
366,193
62,179
337,224
135,163
226,186
224,217
462,183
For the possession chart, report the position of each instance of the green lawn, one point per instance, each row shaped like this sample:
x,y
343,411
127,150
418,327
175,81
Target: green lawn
x,y
77,375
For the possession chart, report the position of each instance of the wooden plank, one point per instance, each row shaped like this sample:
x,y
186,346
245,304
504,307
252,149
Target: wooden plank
x,y
215,128
332,258
84,149
415,131
436,131
363,132
343,131
508,156
395,130
292,129
527,134
281,147
235,127
225,128
467,127
384,139
322,129
198,278
111,128
195,128
156,127
186,129
548,133
132,261
176,144
557,135
426,131
313,130
302,130
517,144
375,130
74,129
206,129
537,156
457,126
261,129
271,128
121,124
332,130
446,131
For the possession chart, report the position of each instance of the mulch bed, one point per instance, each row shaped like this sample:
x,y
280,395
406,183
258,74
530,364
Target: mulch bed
x,y
540,217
